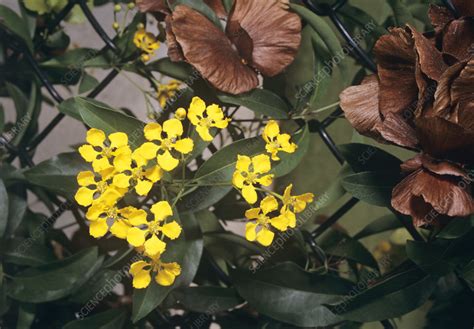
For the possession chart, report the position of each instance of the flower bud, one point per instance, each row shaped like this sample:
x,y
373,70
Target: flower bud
x,y
131,5
116,26
180,114
117,8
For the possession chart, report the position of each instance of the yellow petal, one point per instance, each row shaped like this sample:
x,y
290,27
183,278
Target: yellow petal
x,y
118,140
121,180
171,230
238,180
291,217
148,150
153,174
123,162
261,163
252,213
136,217
95,137
249,194
167,275
136,237
86,178
107,173
265,180
184,145
98,228
173,128
269,204
204,133
280,222
161,210
94,211
251,231
287,194
265,237
271,130
88,153
84,196
101,164
286,146
243,163
302,200
139,159
154,246
143,187
141,276
153,131
196,110
119,229
110,197
214,112
167,162
221,124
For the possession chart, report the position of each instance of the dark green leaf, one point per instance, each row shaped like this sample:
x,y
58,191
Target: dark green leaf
x,y
456,228
207,300
468,274
382,224
387,297
401,13
287,293
372,187
260,101
362,157
27,252
2,119
55,280
433,258
111,319
16,208
12,22
58,174
26,316
177,70
88,82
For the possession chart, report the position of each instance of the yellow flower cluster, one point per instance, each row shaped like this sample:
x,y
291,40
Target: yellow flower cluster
x,y
118,170
250,173
166,91
146,42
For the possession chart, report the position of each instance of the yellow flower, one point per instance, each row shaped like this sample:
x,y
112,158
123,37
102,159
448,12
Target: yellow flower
x,y
167,91
146,233
92,186
260,222
99,151
296,203
125,219
173,130
165,272
277,142
205,118
101,211
249,172
137,172
145,41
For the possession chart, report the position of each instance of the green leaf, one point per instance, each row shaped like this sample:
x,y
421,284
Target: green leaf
x,y
26,316
96,284
55,280
339,244
382,224
435,258
260,101
88,82
4,207
207,300
100,116
111,319
200,6
456,228
177,70
12,22
401,13
372,187
387,297
468,274
24,252
362,157
58,174
17,208
2,119
325,32
288,293
228,4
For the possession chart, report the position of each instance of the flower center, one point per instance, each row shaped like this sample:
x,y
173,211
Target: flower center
x,y
250,177
205,122
262,220
102,186
167,144
155,228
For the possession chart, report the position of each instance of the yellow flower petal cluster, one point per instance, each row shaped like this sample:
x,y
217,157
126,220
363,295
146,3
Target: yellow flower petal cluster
x,y
276,212
206,117
117,170
146,42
